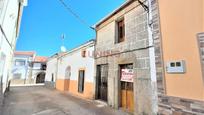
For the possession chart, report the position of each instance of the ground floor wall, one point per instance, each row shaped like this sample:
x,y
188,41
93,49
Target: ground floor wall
x,y
6,55
30,78
179,106
71,86
50,84
144,89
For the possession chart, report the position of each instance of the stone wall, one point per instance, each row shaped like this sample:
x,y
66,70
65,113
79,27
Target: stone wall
x,y
171,105
201,45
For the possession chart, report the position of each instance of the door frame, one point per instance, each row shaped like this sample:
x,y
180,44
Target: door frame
x,y
98,78
119,84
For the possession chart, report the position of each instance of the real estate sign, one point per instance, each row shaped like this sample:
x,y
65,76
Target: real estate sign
x,y
127,75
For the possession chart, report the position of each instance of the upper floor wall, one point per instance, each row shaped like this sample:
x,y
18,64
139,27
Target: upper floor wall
x,y
134,29
80,59
10,17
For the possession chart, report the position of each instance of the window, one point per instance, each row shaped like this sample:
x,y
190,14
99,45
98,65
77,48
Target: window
x,y
81,81
20,62
43,67
120,31
37,65
83,53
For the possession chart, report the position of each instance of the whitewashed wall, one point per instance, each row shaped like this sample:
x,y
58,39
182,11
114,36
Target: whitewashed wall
x,y
8,23
77,62
51,69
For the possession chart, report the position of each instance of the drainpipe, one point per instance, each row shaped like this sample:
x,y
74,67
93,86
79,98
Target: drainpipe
x,y
152,59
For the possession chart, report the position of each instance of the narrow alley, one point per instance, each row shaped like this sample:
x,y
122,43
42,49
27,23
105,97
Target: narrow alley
x,y
39,100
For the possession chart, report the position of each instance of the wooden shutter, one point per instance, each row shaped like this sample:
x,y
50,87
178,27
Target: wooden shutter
x,y
121,31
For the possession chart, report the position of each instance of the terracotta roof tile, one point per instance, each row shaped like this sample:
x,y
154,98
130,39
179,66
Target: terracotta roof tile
x,y
29,53
40,59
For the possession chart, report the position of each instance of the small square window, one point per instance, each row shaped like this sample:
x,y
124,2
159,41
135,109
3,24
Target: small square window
x,y
83,53
20,62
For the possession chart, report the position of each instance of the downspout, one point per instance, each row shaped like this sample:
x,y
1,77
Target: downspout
x,y
152,59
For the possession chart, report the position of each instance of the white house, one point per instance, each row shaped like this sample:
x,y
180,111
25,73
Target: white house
x,y
73,71
10,18
28,68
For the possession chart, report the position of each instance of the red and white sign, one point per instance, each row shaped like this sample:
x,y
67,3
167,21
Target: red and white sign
x,y
127,75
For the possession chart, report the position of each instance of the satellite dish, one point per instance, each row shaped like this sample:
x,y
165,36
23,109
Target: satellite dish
x,y
63,49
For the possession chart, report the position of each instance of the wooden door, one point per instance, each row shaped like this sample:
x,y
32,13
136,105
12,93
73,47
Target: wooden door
x,y
103,82
123,95
130,97
81,81
127,95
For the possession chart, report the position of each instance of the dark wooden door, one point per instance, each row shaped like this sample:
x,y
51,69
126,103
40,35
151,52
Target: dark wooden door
x,y
103,82
81,81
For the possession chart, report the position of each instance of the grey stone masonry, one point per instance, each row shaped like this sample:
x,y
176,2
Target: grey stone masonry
x,y
172,105
134,50
201,46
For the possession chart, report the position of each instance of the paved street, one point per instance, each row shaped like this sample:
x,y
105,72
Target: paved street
x,y
42,101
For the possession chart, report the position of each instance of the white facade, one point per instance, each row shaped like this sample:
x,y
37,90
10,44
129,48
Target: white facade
x,y
77,62
21,67
51,71
10,17
63,70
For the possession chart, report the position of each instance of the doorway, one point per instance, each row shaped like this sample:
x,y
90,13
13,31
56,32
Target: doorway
x,y
102,82
40,78
126,82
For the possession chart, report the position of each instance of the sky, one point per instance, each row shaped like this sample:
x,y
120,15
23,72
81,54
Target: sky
x,y
44,21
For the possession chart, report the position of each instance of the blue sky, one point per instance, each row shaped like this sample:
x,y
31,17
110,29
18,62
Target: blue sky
x,y
44,21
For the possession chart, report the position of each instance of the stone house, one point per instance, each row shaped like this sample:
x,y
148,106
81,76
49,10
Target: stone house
x,y
159,45
10,19
125,62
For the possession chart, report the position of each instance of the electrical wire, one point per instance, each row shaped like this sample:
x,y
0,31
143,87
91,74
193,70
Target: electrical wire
x,y
69,9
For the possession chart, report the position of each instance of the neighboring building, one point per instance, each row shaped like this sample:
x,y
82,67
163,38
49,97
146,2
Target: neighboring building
x,y
125,64
10,18
28,68
22,67
39,66
178,35
73,71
